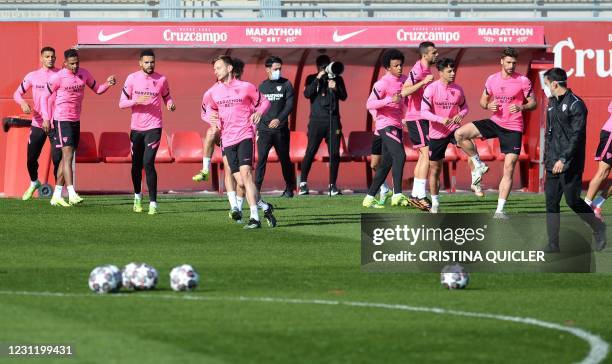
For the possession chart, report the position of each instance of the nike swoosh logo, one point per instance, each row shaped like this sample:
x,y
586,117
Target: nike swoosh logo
x,y
341,38
105,38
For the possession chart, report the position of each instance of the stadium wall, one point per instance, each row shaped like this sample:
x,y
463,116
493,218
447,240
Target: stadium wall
x,y
584,48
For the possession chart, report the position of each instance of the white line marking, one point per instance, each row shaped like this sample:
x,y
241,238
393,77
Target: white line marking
x,y
597,353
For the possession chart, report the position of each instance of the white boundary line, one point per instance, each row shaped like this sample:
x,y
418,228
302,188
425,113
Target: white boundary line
x,y
597,353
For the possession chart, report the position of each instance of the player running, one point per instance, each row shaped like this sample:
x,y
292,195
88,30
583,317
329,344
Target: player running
x,y
604,157
387,100
69,87
143,92
37,81
445,106
238,105
418,128
507,94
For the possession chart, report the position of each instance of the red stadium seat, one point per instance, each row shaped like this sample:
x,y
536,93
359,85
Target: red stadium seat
x,y
360,145
187,147
163,151
323,154
115,147
297,146
87,151
484,150
449,168
217,156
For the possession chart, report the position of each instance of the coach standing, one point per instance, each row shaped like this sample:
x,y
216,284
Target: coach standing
x,y
564,158
324,92
273,130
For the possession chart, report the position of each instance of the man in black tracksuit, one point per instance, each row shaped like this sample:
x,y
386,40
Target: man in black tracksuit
x,y
324,94
273,129
564,158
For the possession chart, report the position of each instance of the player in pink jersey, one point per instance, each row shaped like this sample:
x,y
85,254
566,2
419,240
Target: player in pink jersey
x,y
238,105
418,128
445,106
144,92
69,87
387,103
234,190
37,81
507,94
604,157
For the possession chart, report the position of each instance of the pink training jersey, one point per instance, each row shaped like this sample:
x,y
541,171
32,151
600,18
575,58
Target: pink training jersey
x,y
413,101
145,116
37,80
70,89
234,103
505,92
441,101
205,105
608,125
387,112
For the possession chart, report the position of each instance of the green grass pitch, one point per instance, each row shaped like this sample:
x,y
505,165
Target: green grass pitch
x,y
314,254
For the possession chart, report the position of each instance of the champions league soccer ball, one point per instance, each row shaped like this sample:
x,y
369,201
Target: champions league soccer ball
x,y
144,277
105,279
454,277
127,274
184,278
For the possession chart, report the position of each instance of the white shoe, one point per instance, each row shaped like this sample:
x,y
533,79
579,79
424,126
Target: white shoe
x,y
477,188
434,209
478,173
501,216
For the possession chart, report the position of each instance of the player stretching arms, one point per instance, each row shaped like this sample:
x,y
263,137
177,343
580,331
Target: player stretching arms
x,y
233,102
507,94
69,86
444,105
386,99
37,80
143,92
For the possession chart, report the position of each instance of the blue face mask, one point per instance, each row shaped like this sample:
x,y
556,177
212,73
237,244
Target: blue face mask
x,y
275,75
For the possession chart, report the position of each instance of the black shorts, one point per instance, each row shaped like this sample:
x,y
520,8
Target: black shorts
x,y
240,154
376,145
604,149
437,147
67,134
418,131
509,140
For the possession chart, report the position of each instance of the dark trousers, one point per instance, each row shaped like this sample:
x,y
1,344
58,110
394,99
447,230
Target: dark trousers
x,y
144,150
36,142
568,183
317,131
280,141
393,158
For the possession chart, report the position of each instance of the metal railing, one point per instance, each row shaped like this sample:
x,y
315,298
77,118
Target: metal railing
x,y
301,10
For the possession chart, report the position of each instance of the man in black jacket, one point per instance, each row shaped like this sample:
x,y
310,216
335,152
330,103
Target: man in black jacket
x,y
564,158
273,129
324,94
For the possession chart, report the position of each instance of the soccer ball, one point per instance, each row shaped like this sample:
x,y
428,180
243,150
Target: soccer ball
x,y
184,278
104,279
144,277
127,274
117,274
454,277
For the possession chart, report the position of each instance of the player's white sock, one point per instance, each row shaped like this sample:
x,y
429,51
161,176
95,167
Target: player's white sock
x,y
599,201
57,193
138,196
500,205
476,160
231,196
588,202
384,188
254,213
33,183
153,204
71,191
419,186
262,205
206,164
435,200
239,202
